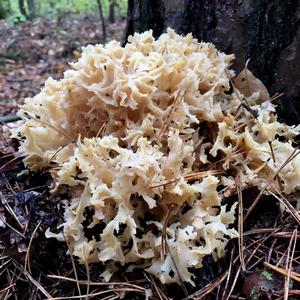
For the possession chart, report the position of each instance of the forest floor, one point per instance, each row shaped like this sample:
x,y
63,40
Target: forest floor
x,y
258,266
30,52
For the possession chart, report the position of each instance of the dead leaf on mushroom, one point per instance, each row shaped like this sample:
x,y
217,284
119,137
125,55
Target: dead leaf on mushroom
x,y
248,84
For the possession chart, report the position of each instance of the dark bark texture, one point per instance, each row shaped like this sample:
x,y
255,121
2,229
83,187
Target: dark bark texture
x,y
111,14
31,8
2,11
265,31
102,20
22,8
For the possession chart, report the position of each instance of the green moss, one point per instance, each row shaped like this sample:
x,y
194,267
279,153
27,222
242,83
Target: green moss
x,y
267,275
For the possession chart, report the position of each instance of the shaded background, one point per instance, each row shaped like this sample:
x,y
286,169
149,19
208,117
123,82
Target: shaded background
x,y
39,38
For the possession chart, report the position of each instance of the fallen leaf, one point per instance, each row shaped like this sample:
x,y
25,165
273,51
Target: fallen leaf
x,y
248,84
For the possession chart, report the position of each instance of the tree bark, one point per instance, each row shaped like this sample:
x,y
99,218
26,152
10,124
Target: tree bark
x,y
265,31
102,20
111,16
22,8
2,11
31,8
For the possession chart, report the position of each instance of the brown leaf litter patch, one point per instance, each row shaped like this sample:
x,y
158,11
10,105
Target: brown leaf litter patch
x,y
32,51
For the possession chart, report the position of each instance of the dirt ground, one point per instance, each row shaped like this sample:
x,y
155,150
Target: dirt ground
x,y
30,52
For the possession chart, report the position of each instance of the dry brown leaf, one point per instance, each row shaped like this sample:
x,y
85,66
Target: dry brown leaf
x,y
247,83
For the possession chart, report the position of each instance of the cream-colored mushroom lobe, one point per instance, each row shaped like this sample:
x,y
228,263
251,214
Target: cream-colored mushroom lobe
x,y
150,140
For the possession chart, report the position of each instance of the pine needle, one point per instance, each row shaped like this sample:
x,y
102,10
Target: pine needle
x,y
188,177
170,115
94,283
234,283
208,288
6,289
10,210
12,228
293,275
98,293
73,265
9,162
27,257
177,270
87,272
58,130
294,154
159,293
289,262
164,232
240,228
38,285
288,206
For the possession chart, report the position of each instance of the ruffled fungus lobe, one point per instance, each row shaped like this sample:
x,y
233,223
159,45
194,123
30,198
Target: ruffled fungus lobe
x,y
151,140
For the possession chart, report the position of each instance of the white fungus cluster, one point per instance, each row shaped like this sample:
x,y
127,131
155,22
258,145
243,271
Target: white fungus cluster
x,y
150,138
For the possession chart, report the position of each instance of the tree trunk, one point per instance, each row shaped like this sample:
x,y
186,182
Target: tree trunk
x,y
2,11
102,20
31,8
264,31
22,8
111,16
